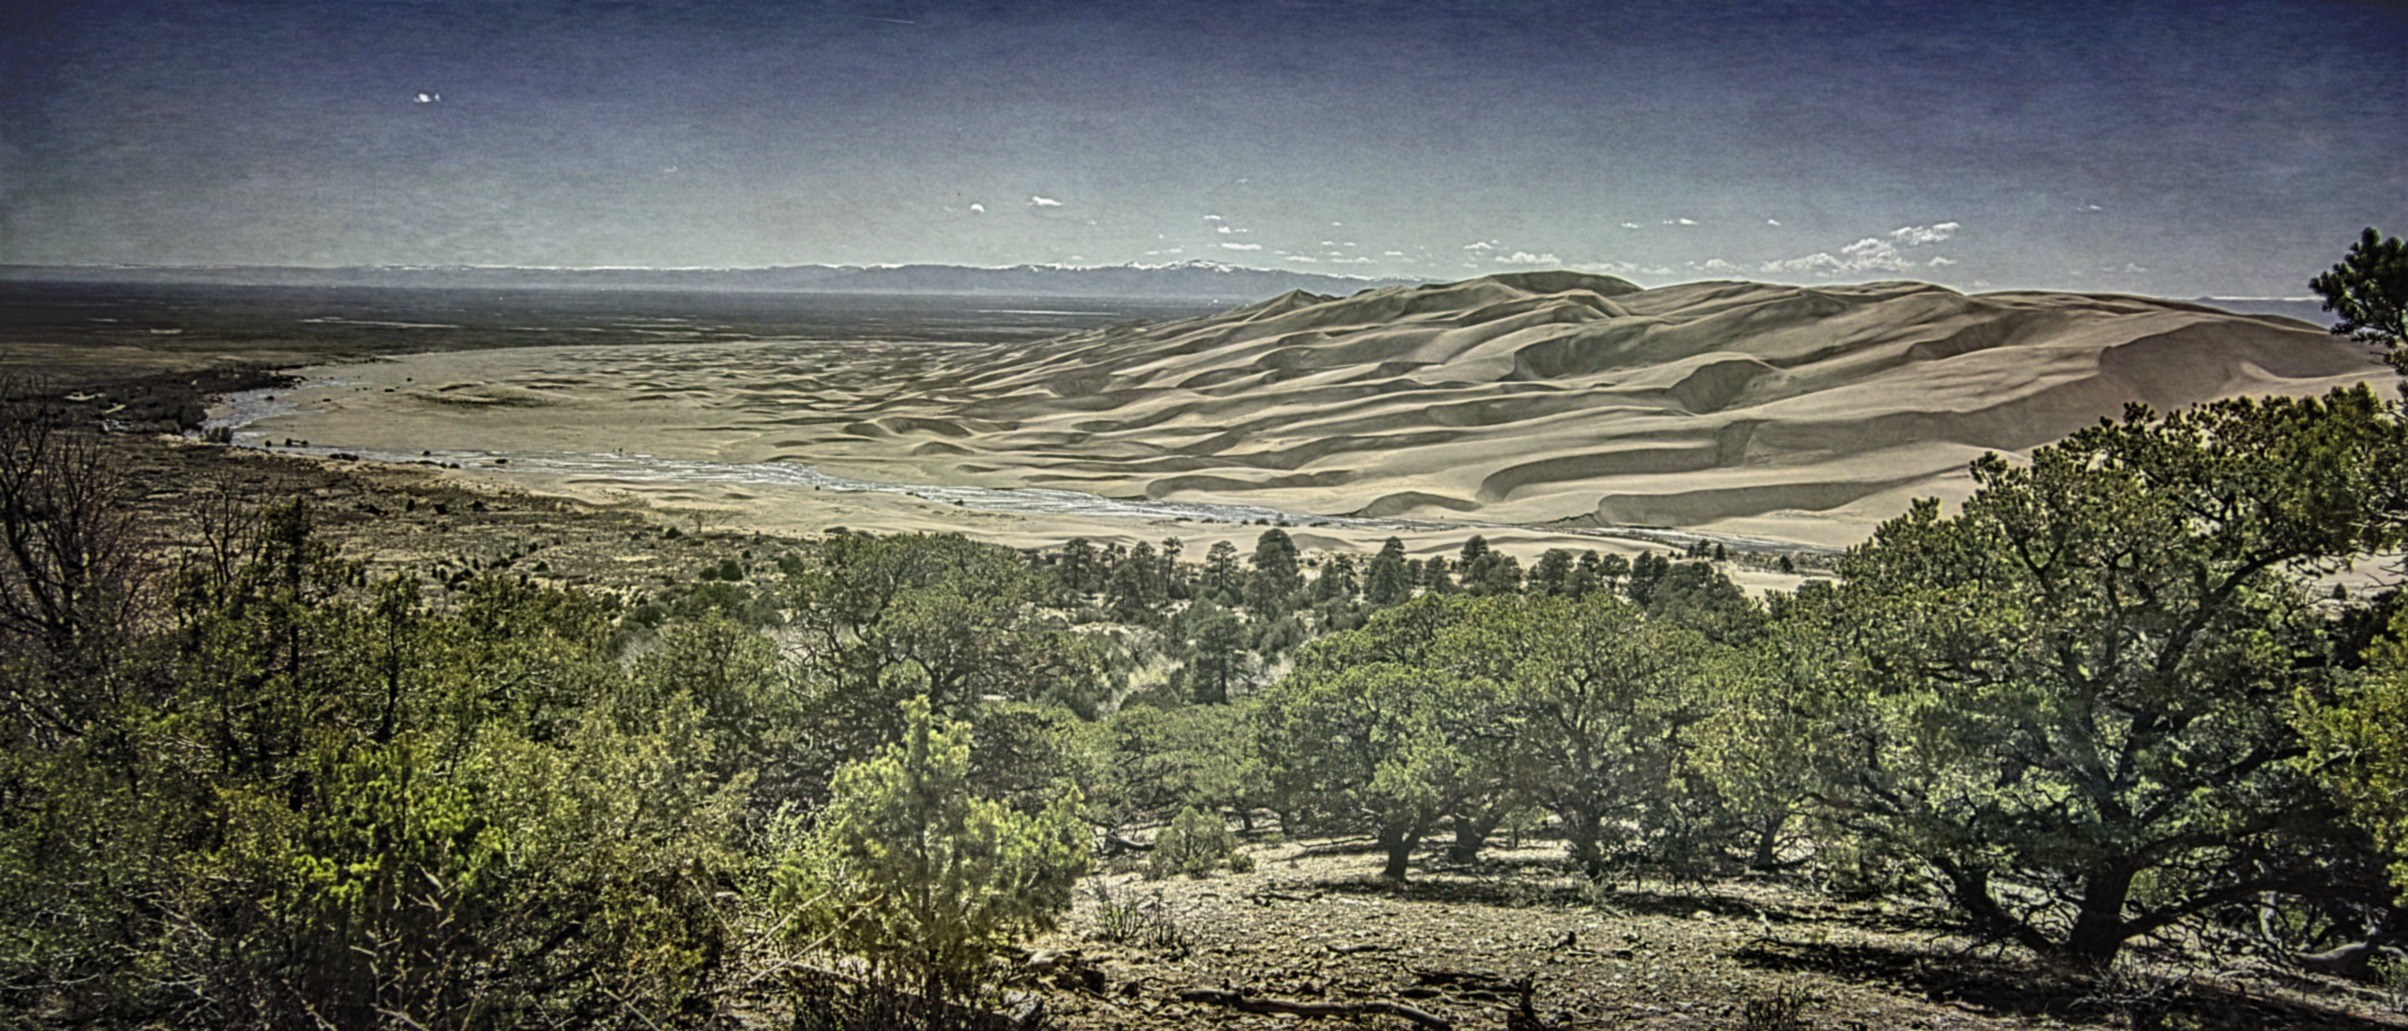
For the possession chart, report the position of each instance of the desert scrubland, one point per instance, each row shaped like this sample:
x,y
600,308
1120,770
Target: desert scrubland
x,y
1472,655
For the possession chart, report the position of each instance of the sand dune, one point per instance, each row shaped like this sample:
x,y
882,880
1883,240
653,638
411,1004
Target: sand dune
x,y
1790,412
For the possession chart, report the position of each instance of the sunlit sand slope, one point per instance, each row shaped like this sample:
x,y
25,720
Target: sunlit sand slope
x,y
1805,414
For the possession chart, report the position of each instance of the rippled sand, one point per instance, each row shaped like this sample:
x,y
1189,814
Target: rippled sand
x,y
1573,402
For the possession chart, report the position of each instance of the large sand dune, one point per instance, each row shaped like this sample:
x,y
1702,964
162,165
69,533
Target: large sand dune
x,y
1804,414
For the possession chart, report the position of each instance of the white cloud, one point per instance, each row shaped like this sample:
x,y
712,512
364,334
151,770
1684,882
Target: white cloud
x,y
1306,259
1679,222
1719,265
1392,254
1221,229
1213,218
1940,261
2131,267
1527,258
2092,207
1630,225
1622,268
978,209
1481,245
1772,221
1350,261
1871,254
1917,235
1044,202
1241,246
1329,243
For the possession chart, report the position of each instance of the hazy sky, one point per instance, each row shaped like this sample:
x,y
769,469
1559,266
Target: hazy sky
x,y
2172,148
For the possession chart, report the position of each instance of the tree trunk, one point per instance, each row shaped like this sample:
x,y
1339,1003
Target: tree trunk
x,y
1584,832
1471,832
1768,844
2098,932
1398,841
1970,887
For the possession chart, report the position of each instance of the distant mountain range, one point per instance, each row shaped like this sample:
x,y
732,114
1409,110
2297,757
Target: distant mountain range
x,y
2305,309
1184,281
1194,280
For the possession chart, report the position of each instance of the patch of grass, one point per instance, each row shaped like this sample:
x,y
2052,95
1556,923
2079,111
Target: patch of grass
x,y
1145,921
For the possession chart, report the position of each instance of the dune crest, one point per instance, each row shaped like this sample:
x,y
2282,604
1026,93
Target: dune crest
x,y
1800,413
1537,397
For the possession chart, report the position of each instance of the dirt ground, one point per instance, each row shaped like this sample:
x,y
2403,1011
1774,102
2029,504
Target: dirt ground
x,y
1312,923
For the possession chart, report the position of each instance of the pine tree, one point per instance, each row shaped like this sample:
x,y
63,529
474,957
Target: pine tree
x,y
1389,581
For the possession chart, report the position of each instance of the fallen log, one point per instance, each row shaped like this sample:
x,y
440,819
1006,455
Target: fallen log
x,y
1244,1003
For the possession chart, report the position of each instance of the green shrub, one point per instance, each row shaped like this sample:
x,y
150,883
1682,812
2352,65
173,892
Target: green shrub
x,y
1195,844
919,878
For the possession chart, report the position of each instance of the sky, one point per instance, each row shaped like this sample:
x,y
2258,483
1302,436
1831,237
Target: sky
x,y
2180,149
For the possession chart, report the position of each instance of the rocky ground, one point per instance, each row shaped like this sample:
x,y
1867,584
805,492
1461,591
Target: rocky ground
x,y
1312,924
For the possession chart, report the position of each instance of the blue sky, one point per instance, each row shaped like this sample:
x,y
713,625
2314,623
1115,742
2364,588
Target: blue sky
x,y
2171,148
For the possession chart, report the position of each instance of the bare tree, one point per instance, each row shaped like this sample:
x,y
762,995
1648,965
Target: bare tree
x,y
72,560
221,529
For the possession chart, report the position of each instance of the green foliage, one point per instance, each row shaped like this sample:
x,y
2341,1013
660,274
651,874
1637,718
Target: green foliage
x,y
1196,843
2079,683
913,872
1223,580
1277,576
1139,586
338,806
1482,570
1148,763
881,619
1611,569
1024,754
2368,288
1763,743
1602,697
2358,738
1553,573
1699,596
1388,581
1366,732
1218,662
1077,567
